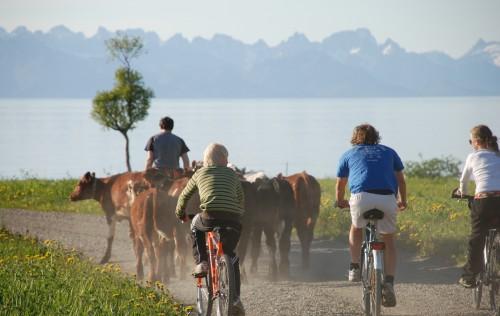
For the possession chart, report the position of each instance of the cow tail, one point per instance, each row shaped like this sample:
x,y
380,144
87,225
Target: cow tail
x,y
311,198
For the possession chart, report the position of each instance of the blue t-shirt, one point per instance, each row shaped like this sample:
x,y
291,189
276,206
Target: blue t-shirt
x,y
370,167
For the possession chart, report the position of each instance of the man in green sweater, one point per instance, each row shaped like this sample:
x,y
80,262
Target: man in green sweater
x,y
221,205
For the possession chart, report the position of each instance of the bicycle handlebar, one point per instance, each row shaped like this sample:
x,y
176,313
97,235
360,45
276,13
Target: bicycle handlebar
x,y
455,195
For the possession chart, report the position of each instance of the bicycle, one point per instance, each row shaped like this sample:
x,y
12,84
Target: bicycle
x,y
218,285
372,264
489,276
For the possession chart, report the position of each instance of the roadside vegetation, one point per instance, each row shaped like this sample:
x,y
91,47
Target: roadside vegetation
x,y
42,278
44,195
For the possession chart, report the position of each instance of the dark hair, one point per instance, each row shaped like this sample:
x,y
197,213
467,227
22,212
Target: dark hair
x,y
365,134
485,136
167,123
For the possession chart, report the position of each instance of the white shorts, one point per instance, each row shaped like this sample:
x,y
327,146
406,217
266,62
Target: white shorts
x,y
364,201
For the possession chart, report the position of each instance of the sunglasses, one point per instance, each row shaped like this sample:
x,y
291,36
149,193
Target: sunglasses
x,y
470,142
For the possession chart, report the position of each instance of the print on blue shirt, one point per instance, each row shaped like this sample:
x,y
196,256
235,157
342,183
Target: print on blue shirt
x,y
370,167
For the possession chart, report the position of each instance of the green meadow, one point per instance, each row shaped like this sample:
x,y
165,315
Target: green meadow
x,y
41,278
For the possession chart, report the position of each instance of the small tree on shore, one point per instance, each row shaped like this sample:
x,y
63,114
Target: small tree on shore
x,y
128,102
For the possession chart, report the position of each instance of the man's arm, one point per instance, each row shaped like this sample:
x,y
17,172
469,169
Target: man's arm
x,y
149,160
400,177
185,161
340,193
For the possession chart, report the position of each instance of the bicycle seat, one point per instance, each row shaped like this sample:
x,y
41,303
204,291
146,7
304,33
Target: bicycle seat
x,y
373,214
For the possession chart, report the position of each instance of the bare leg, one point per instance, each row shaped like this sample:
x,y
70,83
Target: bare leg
x,y
355,239
390,254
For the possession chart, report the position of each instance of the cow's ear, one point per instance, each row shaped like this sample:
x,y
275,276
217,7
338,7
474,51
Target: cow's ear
x,y
93,175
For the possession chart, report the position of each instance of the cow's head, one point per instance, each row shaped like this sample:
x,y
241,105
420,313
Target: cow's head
x,y
85,189
268,192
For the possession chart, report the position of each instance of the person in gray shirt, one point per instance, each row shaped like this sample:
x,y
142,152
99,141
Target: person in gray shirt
x,y
165,148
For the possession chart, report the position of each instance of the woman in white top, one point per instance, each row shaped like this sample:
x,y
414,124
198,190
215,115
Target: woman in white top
x,y
482,166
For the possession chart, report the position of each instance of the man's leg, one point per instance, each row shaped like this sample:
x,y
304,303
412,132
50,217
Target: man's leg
x,y
355,240
389,254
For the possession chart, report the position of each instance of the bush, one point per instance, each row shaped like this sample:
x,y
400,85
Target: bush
x,y
433,168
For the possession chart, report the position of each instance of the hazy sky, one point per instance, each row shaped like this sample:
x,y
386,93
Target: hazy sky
x,y
452,26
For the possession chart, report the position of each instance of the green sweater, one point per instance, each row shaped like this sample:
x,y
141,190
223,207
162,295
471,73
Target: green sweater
x,y
219,189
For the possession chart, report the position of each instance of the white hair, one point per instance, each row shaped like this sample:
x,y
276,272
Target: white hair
x,y
215,155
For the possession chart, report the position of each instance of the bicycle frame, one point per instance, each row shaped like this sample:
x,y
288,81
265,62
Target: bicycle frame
x,y
377,248
218,286
214,246
372,254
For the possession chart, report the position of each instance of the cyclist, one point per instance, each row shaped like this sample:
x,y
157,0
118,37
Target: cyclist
x,y
375,176
165,148
483,164
221,203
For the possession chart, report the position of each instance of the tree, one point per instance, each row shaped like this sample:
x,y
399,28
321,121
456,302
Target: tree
x,y
128,102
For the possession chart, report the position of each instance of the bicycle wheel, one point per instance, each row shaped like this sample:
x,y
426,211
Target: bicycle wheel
x,y
365,267
477,292
204,297
376,290
227,286
492,273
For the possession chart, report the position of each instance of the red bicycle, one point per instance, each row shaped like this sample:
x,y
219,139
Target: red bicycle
x,y
219,285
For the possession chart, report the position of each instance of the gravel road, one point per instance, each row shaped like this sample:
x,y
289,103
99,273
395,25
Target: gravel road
x,y
423,286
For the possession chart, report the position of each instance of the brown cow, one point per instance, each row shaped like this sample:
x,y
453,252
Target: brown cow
x,y
111,193
154,226
142,232
307,196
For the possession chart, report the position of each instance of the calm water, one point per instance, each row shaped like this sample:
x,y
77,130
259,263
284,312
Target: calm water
x,y
57,138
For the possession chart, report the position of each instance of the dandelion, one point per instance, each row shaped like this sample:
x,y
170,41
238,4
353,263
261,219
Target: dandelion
x,y
70,260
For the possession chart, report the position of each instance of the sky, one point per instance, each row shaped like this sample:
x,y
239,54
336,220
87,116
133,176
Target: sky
x,y
450,26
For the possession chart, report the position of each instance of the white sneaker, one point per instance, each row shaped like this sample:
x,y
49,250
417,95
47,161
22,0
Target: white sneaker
x,y
201,269
354,275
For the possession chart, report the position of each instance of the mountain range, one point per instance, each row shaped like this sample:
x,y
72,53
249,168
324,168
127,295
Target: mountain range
x,y
61,63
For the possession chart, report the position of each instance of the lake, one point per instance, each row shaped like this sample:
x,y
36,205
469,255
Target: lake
x,y
56,138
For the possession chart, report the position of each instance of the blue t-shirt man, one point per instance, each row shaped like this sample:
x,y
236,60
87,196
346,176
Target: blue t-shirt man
x,y
370,168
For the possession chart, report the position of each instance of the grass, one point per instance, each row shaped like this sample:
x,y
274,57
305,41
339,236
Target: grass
x,y
41,278
44,195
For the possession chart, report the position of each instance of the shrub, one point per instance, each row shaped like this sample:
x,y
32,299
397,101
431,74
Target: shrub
x,y
433,168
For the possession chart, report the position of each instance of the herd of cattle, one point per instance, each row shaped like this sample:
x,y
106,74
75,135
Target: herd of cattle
x,y
147,199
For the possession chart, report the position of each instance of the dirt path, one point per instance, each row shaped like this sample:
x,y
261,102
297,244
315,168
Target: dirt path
x,y
424,286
